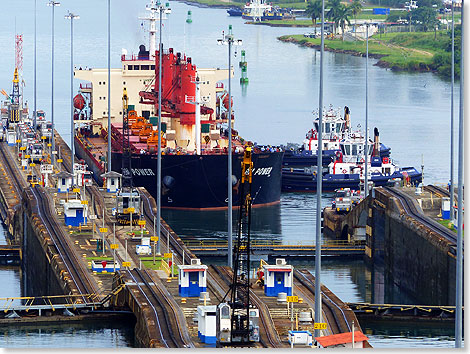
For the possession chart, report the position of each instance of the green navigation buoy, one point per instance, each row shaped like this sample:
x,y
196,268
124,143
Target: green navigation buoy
x,y
243,65
189,20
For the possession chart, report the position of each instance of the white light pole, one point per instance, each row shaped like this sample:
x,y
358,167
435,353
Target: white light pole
x,y
366,148
70,16
52,4
229,40
35,40
318,316
459,270
109,85
162,10
452,74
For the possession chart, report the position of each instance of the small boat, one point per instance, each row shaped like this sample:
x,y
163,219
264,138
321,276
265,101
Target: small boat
x,y
235,11
348,169
260,10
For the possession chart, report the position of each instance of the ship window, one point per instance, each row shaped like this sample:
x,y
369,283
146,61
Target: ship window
x,y
348,149
354,149
144,67
99,83
316,126
129,67
136,67
370,149
152,67
225,312
104,113
123,82
338,128
327,126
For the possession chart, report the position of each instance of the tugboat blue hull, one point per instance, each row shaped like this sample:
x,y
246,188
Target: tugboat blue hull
x,y
303,180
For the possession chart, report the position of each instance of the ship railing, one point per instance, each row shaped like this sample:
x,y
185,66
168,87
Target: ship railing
x,y
86,86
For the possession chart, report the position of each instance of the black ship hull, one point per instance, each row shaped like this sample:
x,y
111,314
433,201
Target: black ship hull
x,y
200,181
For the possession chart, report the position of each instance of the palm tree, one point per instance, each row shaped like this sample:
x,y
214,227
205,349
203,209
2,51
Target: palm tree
x,y
332,14
343,17
356,8
313,10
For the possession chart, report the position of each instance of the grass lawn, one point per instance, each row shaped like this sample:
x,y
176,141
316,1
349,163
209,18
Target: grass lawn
x,y
393,47
448,224
99,259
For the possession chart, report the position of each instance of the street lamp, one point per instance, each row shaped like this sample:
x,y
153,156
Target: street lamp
x,y
70,16
229,40
53,4
35,40
366,148
162,10
109,86
318,300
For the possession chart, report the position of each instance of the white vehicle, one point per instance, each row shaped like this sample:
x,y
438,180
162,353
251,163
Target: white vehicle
x,y
46,130
343,201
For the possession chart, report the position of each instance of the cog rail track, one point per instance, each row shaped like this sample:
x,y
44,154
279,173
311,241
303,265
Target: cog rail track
x,y
166,317
413,211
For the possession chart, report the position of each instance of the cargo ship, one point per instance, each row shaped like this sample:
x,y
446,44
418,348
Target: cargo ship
x,y
194,136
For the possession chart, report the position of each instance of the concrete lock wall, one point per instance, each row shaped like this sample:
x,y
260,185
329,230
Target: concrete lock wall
x,y
40,275
415,259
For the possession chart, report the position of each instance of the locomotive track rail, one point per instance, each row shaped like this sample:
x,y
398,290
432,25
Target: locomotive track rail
x,y
269,337
166,317
338,320
440,192
43,209
214,277
411,209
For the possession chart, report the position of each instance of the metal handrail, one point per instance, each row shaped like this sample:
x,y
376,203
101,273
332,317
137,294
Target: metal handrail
x,y
273,244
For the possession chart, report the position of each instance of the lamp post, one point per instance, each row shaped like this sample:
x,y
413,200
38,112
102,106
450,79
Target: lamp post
x,y
35,39
452,74
459,270
162,10
52,4
70,16
229,40
318,301
109,85
366,147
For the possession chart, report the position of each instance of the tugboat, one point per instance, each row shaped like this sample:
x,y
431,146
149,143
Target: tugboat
x,y
348,168
194,135
334,128
235,11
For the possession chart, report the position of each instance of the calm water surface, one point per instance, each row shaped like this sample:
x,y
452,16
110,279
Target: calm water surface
x,y
410,110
